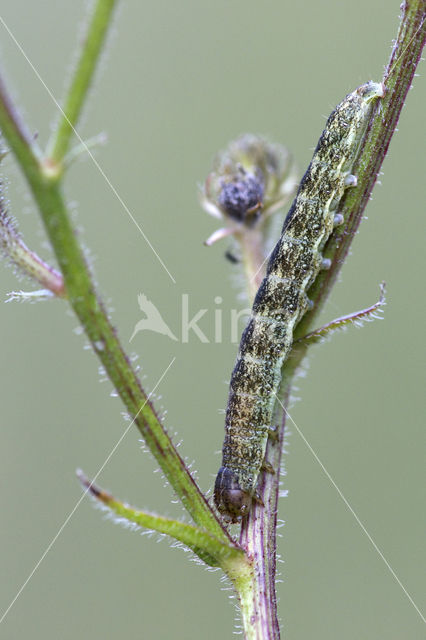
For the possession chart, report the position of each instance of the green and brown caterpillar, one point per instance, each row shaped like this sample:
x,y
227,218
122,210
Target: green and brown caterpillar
x,y
282,300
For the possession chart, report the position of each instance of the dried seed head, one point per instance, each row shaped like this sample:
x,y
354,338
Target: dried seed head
x,y
242,197
249,180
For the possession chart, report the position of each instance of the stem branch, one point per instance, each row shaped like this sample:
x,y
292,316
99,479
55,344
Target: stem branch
x,y
92,45
81,294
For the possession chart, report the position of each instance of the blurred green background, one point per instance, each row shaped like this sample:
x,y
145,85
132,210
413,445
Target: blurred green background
x,y
177,82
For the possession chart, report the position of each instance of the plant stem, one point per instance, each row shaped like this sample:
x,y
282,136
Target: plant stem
x,y
21,141
93,42
45,185
93,317
258,534
212,551
252,253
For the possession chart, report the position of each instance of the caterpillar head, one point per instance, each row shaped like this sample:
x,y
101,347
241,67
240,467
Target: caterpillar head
x,y
371,90
231,501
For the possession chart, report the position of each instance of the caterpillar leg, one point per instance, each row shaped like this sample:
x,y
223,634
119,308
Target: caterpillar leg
x,y
351,180
266,466
273,433
338,219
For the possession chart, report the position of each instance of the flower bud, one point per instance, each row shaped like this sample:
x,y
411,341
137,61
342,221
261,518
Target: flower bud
x,y
250,180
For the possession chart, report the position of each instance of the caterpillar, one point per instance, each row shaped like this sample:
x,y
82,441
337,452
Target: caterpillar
x,y
282,300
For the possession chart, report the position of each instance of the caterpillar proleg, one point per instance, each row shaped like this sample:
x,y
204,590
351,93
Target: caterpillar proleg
x,y
282,300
